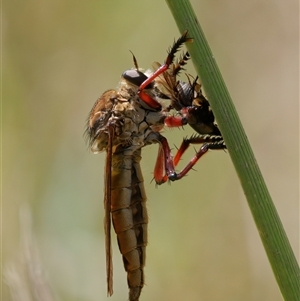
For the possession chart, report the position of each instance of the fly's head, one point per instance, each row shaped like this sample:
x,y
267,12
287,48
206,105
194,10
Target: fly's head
x,y
149,97
135,78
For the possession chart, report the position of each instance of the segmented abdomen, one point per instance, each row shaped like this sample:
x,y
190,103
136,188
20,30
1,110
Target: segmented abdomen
x,y
129,216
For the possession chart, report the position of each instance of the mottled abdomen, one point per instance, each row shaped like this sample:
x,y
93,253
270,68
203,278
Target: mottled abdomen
x,y
129,216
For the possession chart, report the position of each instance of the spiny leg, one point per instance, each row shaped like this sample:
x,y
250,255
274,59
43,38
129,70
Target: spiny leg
x,y
166,163
164,167
175,121
169,60
213,142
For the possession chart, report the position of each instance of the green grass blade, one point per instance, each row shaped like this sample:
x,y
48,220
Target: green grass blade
x,y
271,231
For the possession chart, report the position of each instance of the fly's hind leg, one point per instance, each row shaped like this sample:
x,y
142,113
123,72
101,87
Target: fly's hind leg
x,y
165,164
208,141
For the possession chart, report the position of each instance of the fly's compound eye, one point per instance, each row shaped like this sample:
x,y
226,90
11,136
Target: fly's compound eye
x,y
136,78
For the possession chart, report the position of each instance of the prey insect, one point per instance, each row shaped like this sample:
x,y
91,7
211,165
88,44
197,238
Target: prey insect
x,y
192,108
121,123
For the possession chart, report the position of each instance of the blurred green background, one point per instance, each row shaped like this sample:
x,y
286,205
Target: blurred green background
x,y
58,57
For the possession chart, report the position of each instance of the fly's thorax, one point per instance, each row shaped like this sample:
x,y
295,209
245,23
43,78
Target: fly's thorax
x,y
155,119
112,112
137,121
123,113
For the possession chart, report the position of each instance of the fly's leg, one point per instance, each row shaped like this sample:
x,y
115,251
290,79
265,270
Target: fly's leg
x,y
208,141
181,63
203,150
175,121
165,164
187,115
164,167
169,60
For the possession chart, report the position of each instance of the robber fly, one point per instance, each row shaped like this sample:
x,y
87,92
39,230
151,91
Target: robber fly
x,y
121,123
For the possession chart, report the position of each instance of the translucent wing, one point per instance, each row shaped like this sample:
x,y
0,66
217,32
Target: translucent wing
x,y
107,218
100,134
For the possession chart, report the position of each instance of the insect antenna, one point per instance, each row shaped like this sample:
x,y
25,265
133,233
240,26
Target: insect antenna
x,y
134,61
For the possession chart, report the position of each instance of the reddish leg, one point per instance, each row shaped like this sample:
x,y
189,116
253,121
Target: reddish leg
x,y
147,99
169,60
160,176
212,142
166,163
175,121
164,167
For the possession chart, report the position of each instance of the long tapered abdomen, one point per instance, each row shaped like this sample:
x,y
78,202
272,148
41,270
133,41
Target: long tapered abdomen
x,y
129,216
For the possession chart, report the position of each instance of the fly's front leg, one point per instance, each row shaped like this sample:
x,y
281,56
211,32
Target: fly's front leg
x,y
169,60
175,121
187,116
